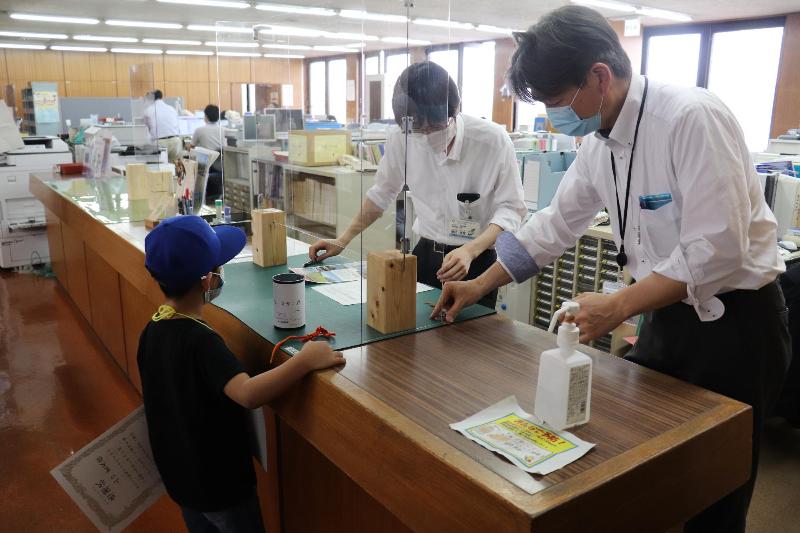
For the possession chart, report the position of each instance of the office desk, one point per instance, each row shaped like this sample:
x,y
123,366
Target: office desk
x,y
367,447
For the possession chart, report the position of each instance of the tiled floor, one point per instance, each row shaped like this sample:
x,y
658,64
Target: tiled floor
x,y
59,389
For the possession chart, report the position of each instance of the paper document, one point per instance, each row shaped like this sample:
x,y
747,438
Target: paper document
x,y
353,292
330,273
506,429
113,479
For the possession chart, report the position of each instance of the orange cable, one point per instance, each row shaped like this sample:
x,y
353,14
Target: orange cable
x,y
319,332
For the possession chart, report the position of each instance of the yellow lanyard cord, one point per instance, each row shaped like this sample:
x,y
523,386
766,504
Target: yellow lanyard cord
x,y
166,312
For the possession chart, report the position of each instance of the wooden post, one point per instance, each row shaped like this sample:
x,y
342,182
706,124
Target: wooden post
x,y
391,291
138,186
269,237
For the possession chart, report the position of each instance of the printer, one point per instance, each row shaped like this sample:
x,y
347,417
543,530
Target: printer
x,y
23,232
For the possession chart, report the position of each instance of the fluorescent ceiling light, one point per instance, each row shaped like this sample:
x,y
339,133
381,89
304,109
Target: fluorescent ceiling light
x,y
238,54
53,18
663,14
23,46
179,42
79,48
290,31
219,29
223,44
349,36
335,49
363,15
403,40
298,10
287,46
445,24
152,51
607,4
209,3
145,24
105,38
356,45
284,56
30,35
493,29
190,53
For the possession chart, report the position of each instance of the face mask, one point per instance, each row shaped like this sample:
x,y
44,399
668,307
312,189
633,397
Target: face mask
x,y
211,294
567,121
438,141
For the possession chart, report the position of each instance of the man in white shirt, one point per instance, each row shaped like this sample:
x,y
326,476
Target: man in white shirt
x,y
689,219
162,122
462,174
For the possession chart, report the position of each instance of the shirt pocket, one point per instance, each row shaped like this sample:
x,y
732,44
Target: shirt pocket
x,y
660,230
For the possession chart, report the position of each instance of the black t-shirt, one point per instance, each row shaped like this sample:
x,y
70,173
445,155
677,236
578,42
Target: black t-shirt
x,y
199,436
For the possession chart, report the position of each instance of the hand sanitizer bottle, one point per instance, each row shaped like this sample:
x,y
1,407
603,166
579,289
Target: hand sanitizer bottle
x,y
564,387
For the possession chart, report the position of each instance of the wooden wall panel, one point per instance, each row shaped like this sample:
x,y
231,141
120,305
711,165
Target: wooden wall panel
x,y
174,88
78,66
196,67
3,68
78,88
106,304
175,68
503,108
20,64
223,99
136,312
353,67
102,67
75,259
102,88
786,110
47,66
197,95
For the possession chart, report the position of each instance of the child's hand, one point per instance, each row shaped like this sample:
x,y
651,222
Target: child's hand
x,y
317,355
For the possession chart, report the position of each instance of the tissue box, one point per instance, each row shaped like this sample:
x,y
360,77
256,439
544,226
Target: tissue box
x,y
318,148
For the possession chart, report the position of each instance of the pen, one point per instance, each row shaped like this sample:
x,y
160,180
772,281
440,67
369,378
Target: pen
x,y
306,265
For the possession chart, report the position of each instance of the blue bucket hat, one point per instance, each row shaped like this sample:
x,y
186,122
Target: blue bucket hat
x,y
183,249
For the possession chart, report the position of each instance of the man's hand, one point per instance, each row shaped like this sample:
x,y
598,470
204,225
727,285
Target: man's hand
x,y
330,247
599,314
456,295
455,265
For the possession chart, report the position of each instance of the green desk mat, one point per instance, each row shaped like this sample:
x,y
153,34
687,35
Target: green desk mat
x,y
248,296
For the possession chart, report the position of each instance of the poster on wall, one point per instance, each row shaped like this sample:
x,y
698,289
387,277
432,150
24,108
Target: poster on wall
x,y
45,105
113,479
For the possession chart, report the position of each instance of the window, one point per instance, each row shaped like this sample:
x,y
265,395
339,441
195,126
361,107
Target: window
x,y
316,87
477,94
526,116
395,65
373,65
662,51
743,70
447,59
337,89
738,61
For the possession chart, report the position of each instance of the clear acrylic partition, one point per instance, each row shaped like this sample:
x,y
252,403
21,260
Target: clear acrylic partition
x,y
316,132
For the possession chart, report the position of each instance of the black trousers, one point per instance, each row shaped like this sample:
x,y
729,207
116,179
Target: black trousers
x,y
429,261
743,355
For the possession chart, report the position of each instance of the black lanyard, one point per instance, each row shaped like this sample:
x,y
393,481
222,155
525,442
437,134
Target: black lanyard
x,y
622,259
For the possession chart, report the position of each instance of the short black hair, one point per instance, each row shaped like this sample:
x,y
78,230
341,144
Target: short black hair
x,y
426,92
157,94
172,292
212,113
557,52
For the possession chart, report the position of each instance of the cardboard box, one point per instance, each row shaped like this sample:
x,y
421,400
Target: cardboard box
x,y
315,148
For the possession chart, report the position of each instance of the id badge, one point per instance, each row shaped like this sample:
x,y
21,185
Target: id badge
x,y
463,228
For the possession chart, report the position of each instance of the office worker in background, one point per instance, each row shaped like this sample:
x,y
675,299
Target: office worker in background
x,y
462,173
210,136
162,122
688,216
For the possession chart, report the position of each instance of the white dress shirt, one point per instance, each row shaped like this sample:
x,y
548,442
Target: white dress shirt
x,y
482,160
161,120
716,235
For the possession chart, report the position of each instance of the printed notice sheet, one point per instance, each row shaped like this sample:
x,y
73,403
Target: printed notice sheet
x,y
506,429
113,479
339,273
353,292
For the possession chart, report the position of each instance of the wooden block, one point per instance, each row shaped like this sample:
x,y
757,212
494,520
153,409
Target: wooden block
x,y
159,180
149,223
269,237
391,291
138,187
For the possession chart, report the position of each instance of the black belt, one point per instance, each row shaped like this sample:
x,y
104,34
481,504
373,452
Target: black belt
x,y
438,246
170,137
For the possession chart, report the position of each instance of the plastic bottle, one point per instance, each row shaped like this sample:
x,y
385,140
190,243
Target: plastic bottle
x,y
218,207
564,387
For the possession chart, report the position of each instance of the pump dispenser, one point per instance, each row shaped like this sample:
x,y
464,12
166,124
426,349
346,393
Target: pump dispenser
x,y
564,387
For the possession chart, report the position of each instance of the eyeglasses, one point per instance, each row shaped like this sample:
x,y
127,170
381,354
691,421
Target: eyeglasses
x,y
407,126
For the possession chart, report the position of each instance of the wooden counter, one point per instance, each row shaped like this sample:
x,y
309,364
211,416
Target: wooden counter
x,y
368,447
